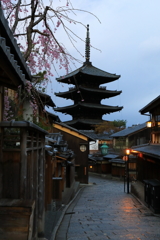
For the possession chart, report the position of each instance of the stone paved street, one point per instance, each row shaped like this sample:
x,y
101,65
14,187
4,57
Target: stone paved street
x,y
103,211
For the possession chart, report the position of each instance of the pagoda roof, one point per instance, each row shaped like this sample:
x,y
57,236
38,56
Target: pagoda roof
x,y
99,107
81,122
90,70
102,91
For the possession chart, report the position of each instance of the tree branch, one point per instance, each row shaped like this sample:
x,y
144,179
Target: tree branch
x,y
16,16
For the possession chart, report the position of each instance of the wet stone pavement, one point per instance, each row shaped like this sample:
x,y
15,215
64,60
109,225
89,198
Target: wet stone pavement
x,y
103,211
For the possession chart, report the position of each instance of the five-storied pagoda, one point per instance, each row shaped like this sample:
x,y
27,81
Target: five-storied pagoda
x,y
87,94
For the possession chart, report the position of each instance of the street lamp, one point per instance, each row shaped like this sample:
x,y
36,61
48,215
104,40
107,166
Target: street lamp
x,y
149,124
128,151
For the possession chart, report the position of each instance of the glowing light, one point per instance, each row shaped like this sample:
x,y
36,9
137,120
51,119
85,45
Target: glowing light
x,y
149,124
128,151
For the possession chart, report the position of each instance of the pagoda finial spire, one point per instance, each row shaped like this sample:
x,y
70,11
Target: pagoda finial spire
x,y
87,50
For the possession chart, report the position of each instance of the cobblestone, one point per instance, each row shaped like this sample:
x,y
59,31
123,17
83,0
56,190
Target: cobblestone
x,y
104,211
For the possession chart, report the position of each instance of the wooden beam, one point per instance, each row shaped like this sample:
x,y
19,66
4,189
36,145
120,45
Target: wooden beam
x,y
69,131
61,157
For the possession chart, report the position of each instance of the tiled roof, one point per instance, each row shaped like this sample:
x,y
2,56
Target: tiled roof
x,y
46,99
89,105
111,156
129,131
12,43
95,158
90,70
55,145
84,121
5,54
96,136
154,103
54,116
75,130
151,150
22,124
104,93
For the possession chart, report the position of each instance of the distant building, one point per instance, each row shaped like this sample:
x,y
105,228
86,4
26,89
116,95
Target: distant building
x,y
87,110
131,136
100,138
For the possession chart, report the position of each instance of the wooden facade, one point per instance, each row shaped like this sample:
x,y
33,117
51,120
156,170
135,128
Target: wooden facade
x,y
16,219
60,170
131,136
149,155
76,140
148,167
22,158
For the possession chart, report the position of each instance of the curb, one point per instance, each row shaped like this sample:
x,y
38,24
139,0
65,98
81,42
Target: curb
x,y
62,215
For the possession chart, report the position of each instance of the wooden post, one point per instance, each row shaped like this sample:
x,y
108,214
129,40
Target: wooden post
x,y
32,167
41,189
23,162
1,162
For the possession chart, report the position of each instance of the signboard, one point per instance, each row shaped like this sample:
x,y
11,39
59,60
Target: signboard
x,y
93,145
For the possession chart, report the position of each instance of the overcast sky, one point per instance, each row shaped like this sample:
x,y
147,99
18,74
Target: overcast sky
x,y
129,39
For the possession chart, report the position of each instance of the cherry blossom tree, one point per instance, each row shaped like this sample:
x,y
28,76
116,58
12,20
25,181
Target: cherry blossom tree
x,y
34,24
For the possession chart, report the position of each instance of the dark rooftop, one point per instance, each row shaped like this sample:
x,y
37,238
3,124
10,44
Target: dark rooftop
x,y
96,136
12,43
129,130
90,70
17,76
75,130
46,99
104,93
150,150
154,103
111,156
90,105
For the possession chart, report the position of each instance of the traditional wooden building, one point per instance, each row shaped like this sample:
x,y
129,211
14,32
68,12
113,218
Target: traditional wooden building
x,y
100,139
131,136
148,158
87,93
79,142
21,153
149,154
60,169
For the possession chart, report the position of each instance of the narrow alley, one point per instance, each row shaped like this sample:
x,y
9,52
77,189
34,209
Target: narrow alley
x,y
103,211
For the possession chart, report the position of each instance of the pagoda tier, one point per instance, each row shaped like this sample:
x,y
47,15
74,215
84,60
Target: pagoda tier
x,y
84,124
88,109
77,93
88,75
87,94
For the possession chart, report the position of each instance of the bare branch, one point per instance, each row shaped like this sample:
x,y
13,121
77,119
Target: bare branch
x,y
28,17
47,26
20,34
16,16
41,33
